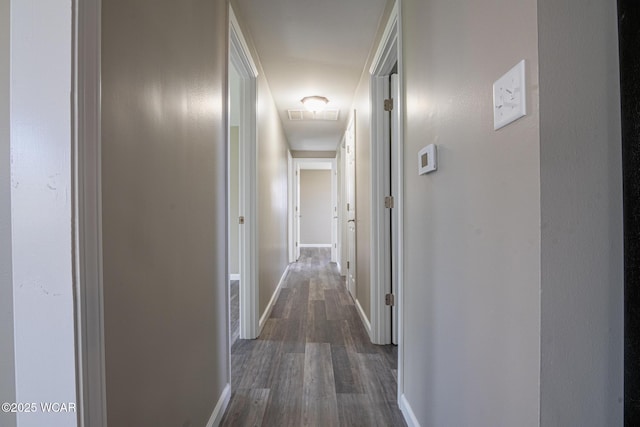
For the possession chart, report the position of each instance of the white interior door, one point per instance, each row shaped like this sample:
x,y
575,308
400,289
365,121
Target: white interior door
x,y
395,120
334,211
351,208
296,215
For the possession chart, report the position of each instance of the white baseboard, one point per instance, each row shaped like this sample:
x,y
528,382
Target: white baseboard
x,y
221,406
409,416
234,276
363,317
315,245
272,302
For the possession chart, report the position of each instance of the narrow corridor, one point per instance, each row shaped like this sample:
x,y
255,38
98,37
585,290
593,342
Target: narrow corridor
x,y
313,364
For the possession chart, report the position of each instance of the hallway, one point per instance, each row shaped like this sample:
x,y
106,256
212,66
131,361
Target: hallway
x,y
313,364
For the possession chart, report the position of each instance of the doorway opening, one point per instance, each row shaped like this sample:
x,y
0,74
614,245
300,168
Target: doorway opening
x,y
242,179
387,167
315,205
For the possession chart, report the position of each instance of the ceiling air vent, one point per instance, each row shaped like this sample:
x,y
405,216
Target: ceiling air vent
x,y
303,115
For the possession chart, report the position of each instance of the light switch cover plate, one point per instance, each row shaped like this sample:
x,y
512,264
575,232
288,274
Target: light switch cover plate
x,y
509,97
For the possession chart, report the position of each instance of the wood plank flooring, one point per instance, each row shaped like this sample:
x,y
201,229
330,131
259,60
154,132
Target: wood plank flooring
x,y
234,296
313,364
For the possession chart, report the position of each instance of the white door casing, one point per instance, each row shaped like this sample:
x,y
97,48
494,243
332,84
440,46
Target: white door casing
x,y
241,59
315,163
394,92
387,56
297,208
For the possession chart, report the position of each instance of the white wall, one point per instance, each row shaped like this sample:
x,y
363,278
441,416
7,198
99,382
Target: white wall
x,y
315,207
581,376
472,229
164,181
7,367
41,192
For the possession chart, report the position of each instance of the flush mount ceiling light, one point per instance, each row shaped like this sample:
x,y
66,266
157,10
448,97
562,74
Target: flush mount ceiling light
x,y
314,103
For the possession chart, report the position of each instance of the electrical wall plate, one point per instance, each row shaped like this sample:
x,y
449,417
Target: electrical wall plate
x,y
509,97
427,159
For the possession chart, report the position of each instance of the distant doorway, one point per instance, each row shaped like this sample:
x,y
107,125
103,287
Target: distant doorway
x,y
315,192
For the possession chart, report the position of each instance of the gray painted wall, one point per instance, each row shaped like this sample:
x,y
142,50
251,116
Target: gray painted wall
x,y
363,194
315,207
7,365
313,154
472,229
164,154
581,205
272,194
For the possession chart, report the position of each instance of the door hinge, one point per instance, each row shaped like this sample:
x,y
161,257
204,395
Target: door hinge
x,y
347,265
335,245
388,104
348,207
389,299
241,220
389,202
296,244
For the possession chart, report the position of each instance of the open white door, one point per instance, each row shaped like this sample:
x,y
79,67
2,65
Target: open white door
x,y
240,59
296,216
395,120
334,211
351,207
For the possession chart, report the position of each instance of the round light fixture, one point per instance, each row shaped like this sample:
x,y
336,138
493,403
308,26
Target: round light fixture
x,y
314,103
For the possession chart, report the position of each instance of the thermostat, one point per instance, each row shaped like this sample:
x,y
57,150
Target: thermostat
x,y
427,159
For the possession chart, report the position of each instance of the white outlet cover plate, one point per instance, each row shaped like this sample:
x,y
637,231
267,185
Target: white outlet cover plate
x,y
509,97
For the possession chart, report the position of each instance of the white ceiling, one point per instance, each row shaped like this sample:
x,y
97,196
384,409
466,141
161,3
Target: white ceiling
x,y
312,48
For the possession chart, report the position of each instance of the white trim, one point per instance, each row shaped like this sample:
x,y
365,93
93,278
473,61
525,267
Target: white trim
x,y
87,200
409,417
218,412
315,245
240,58
237,40
234,277
363,317
388,53
400,207
272,301
291,208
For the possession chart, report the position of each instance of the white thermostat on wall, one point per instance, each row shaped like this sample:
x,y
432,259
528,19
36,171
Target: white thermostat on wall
x,y
509,97
427,159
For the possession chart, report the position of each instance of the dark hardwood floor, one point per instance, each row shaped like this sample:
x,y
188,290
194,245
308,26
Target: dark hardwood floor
x,y
313,364
234,295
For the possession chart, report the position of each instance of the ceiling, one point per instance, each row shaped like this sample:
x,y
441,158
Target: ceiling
x,y
312,48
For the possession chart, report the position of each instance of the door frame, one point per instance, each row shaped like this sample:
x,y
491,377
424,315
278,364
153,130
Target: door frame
x,y
299,164
388,54
87,183
240,58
